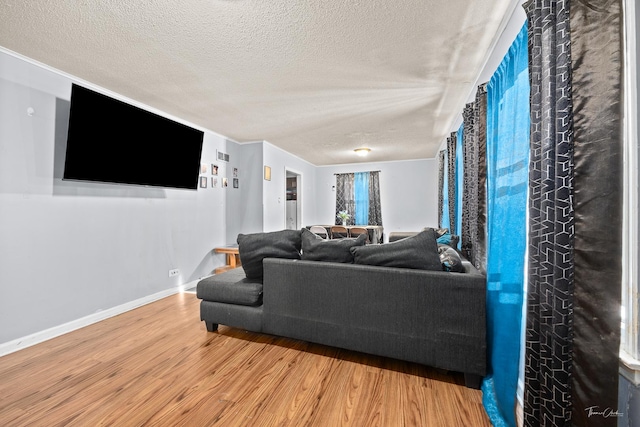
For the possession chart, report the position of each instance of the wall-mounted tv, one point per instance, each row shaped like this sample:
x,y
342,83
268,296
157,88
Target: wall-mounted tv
x,y
115,142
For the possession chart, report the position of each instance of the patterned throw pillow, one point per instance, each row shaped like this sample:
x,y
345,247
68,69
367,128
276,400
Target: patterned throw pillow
x,y
450,259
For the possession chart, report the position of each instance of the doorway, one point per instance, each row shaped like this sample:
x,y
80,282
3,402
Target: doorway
x,y
293,210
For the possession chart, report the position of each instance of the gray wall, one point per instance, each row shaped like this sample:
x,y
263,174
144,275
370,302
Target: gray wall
x,y
71,249
628,403
274,191
244,204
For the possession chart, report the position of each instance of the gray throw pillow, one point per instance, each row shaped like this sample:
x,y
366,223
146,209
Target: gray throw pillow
x,y
253,248
315,248
418,252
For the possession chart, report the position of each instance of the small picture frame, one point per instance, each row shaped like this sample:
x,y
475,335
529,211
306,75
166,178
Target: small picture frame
x,y
214,182
214,169
267,173
203,182
235,183
225,182
235,172
203,168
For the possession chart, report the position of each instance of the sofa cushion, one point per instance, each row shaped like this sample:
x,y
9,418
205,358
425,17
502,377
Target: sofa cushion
x,y
450,259
231,287
315,248
253,248
418,252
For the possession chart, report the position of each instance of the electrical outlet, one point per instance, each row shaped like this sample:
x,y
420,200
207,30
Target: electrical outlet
x,y
174,272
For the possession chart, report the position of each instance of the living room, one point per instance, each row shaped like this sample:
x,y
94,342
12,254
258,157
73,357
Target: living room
x,y
73,254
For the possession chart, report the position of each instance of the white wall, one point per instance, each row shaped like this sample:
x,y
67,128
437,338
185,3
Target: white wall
x,y
408,193
71,249
274,191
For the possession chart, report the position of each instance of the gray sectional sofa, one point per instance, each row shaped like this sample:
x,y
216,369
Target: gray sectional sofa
x,y
435,318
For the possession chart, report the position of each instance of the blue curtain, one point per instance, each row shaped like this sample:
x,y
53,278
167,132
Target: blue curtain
x,y
459,181
445,194
507,185
361,190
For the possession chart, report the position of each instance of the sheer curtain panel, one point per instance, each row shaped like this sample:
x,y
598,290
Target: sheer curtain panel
x,y
507,183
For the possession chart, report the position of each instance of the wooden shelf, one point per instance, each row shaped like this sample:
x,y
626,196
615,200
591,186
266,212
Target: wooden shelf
x,y
233,258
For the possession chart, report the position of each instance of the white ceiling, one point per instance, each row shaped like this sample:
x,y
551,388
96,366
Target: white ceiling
x,y
316,78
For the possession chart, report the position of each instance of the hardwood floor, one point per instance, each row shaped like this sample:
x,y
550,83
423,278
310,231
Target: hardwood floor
x,y
157,365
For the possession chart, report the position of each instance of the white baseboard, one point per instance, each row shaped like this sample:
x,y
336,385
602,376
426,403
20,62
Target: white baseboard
x,y
47,334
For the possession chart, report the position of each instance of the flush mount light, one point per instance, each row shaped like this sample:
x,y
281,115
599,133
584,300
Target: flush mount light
x,y
362,151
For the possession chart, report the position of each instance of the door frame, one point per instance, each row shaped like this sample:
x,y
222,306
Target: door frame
x,y
288,173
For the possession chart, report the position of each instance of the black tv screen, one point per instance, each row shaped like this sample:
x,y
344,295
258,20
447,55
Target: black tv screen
x,y
115,142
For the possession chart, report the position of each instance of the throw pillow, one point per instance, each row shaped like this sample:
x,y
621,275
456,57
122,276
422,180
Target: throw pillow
x,y
253,248
450,259
315,248
419,252
445,239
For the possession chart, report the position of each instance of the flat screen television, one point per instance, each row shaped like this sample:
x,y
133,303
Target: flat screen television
x,y
114,142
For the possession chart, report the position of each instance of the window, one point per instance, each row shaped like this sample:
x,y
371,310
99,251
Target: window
x,y
359,198
630,337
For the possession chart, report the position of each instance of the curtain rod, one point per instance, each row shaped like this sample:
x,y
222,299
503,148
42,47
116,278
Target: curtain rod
x,y
352,172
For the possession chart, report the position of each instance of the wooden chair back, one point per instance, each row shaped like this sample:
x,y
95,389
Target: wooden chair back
x,y
339,232
356,231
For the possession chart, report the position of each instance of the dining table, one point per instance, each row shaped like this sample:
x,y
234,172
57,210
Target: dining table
x,y
375,231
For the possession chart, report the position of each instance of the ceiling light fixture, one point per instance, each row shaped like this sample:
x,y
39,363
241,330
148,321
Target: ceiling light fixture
x,y
362,151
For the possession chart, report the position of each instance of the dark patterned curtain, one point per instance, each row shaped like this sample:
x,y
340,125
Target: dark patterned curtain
x,y
596,64
451,178
547,393
345,196
474,208
469,232
375,210
573,312
479,249
441,167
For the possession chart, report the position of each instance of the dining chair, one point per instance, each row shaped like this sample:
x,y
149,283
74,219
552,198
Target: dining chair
x,y
356,231
339,232
320,231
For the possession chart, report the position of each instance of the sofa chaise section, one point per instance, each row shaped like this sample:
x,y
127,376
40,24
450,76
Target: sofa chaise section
x,y
231,299
434,318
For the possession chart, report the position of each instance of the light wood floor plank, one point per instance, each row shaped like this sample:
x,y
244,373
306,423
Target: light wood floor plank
x,y
157,365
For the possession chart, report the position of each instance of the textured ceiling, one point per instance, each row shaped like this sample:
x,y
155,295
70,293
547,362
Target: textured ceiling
x,y
316,78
